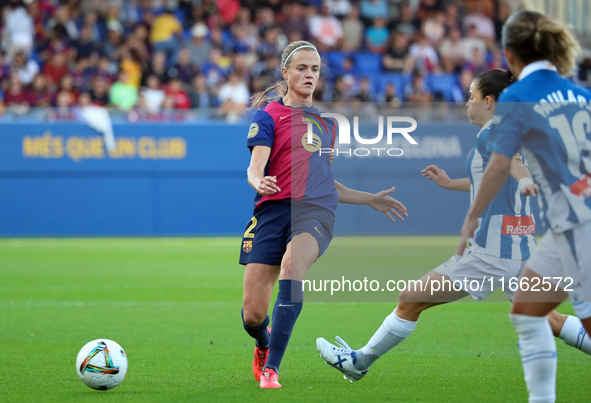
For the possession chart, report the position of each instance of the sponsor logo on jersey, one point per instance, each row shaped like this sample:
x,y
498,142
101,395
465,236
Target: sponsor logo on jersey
x,y
518,225
582,187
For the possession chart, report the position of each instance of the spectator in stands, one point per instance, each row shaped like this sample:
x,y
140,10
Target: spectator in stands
x,y
394,59
106,70
372,9
25,68
416,90
55,43
200,96
67,91
295,21
340,90
158,68
422,55
228,10
138,40
472,41
184,69
114,40
84,46
365,92
165,33
39,96
452,20
376,36
131,63
63,110
233,98
152,94
338,8
55,69
122,94
15,97
326,30
99,91
498,60
352,31
198,47
390,96
408,23
453,51
484,24
269,46
19,31
178,94
215,69
62,20
434,28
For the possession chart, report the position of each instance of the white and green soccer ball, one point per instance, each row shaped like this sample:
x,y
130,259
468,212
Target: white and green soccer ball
x,y
101,364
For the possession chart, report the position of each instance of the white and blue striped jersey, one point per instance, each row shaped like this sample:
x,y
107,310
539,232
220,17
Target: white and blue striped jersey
x,y
506,228
548,118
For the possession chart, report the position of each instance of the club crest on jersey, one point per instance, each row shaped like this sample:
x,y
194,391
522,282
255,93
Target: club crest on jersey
x,y
247,246
253,130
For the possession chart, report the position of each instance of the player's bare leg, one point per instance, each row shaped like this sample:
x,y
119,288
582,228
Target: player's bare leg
x,y
259,280
301,252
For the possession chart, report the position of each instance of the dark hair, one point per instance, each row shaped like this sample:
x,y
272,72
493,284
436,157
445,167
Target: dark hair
x,y
493,82
532,37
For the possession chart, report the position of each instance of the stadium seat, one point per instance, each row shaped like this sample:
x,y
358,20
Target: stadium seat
x,y
368,63
443,84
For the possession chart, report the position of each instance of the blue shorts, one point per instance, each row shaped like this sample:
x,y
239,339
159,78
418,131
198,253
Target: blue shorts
x,y
276,222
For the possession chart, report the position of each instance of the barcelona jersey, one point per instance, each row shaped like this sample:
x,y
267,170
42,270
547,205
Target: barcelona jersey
x,y
296,136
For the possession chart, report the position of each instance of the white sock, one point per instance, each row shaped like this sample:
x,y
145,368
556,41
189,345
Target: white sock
x,y
574,334
388,336
538,356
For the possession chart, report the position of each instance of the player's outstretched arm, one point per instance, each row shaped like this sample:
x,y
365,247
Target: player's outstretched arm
x,y
380,201
494,177
439,176
264,185
522,175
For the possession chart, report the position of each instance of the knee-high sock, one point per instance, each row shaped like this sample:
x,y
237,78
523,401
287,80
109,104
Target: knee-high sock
x,y
574,334
538,356
259,333
392,332
287,309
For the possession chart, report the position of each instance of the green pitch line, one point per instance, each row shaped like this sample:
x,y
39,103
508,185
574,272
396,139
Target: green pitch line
x,y
174,305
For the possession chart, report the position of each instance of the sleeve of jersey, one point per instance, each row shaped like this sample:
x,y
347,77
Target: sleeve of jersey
x,y
261,131
507,129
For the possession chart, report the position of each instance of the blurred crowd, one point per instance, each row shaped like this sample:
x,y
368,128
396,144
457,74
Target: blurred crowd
x,y
157,59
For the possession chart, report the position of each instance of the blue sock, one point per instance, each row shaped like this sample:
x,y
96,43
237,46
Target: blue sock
x,y
259,333
287,309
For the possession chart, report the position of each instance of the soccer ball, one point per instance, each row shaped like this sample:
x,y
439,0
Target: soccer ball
x,y
101,364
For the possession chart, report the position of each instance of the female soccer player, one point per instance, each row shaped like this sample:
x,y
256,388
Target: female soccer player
x,y
294,206
548,118
497,252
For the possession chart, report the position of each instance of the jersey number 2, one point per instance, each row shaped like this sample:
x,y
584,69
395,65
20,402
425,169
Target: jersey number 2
x,y
248,233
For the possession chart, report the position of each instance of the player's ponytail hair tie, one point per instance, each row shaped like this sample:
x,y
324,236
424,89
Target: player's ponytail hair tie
x,y
295,50
510,76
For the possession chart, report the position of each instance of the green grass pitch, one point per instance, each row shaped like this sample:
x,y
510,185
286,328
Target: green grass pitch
x,y
174,305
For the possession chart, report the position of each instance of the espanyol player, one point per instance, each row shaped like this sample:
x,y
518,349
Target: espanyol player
x,y
503,241
548,118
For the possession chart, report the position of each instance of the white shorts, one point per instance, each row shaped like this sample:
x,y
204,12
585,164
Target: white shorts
x,y
480,274
567,257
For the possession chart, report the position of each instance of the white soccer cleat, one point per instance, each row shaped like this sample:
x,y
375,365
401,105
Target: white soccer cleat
x,y
341,358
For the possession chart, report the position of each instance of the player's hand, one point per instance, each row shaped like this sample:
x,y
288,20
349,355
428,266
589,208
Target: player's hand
x,y
470,225
434,173
268,186
388,205
530,190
